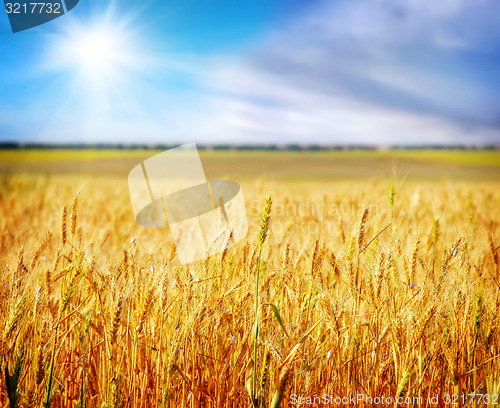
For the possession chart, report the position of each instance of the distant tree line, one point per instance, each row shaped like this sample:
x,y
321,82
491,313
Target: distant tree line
x,y
248,147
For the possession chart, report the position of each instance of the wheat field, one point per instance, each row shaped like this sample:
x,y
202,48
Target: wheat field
x,y
367,289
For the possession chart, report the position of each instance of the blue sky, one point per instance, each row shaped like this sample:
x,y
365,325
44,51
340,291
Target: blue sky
x,y
266,71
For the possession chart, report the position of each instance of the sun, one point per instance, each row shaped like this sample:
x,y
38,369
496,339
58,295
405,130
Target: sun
x,y
103,69
96,53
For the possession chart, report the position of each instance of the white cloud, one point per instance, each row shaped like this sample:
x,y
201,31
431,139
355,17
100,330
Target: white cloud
x,y
388,71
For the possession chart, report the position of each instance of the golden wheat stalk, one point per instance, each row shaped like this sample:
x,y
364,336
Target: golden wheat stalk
x,y
340,229
424,320
264,377
70,288
317,260
414,259
39,250
73,215
21,272
14,317
494,254
284,383
116,316
334,264
144,310
264,220
264,225
63,226
362,229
